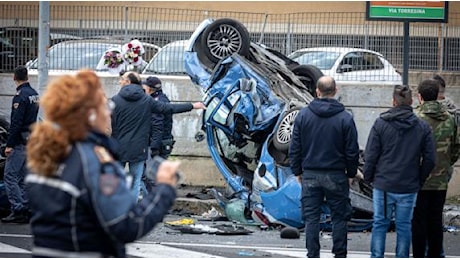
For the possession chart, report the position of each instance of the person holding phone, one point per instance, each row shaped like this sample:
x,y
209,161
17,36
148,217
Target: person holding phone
x,y
75,182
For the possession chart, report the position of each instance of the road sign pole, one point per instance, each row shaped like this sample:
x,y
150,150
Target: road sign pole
x,y
405,75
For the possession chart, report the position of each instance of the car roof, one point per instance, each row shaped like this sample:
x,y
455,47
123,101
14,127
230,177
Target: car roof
x,y
121,38
18,28
54,36
177,43
338,49
103,41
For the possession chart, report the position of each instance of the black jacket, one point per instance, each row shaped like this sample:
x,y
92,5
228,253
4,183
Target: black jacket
x,y
131,121
24,112
324,138
400,151
161,123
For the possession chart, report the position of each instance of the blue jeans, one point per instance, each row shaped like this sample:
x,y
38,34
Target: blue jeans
x,y
146,184
135,170
402,206
317,186
15,172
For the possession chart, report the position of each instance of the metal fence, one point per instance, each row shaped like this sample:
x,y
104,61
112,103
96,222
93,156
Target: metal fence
x,y
433,46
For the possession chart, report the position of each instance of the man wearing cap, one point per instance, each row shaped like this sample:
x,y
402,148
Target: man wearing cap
x,y
131,124
161,138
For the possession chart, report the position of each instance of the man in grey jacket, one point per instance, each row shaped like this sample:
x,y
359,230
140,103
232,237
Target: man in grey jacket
x,y
131,123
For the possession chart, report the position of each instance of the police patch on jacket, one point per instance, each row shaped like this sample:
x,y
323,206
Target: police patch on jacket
x,y
102,154
108,183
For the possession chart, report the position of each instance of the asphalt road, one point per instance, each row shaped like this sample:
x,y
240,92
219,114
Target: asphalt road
x,y
164,242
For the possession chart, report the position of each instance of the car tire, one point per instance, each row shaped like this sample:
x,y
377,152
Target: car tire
x,y
308,75
283,132
223,38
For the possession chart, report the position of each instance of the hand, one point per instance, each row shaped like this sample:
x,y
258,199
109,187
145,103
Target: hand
x,y
299,179
359,175
198,105
8,150
167,172
350,181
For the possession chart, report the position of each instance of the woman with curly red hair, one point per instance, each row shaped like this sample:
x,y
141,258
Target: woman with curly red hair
x,y
81,205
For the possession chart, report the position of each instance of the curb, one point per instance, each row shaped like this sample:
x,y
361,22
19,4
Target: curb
x,y
192,206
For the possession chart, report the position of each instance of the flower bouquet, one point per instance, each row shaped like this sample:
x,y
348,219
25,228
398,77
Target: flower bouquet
x,y
132,52
112,61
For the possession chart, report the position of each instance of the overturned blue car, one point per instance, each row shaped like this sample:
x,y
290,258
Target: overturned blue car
x,y
253,94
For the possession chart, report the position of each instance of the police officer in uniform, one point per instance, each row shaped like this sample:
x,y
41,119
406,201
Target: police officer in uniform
x,y
81,204
161,138
23,114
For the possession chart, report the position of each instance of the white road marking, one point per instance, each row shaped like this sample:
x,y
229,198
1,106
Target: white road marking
x,y
323,253
149,250
5,248
163,250
15,235
291,252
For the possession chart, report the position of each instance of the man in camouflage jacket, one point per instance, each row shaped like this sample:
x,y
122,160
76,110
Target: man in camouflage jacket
x,y
447,102
427,226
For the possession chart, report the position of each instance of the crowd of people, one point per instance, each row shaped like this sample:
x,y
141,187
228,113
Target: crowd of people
x,y
74,173
65,172
408,159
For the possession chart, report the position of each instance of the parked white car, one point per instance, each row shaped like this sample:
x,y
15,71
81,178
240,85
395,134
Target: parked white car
x,y
349,64
70,56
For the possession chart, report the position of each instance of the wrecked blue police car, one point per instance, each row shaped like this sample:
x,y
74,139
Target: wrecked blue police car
x,y
253,94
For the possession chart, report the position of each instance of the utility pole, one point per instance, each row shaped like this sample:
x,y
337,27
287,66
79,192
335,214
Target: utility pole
x,y
43,45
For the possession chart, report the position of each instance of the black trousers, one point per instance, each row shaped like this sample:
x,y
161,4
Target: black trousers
x,y
427,225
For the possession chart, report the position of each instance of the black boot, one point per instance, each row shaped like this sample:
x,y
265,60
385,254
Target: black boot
x,y
17,218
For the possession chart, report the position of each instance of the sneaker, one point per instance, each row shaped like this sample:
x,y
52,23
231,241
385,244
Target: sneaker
x,y
17,218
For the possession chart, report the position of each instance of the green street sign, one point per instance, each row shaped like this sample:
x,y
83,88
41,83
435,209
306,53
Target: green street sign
x,y
412,11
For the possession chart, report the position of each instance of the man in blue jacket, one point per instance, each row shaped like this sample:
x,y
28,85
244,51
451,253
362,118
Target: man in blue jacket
x,y
24,112
131,123
399,156
323,154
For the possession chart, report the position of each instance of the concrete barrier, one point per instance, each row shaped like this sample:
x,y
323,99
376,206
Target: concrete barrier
x,y
365,101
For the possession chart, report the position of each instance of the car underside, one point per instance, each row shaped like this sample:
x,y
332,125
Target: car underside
x,y
253,94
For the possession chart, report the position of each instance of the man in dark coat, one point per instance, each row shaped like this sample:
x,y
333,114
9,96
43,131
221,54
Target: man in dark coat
x,y
323,154
399,156
161,138
131,123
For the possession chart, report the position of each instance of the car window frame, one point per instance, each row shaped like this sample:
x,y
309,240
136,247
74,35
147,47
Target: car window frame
x,y
164,56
